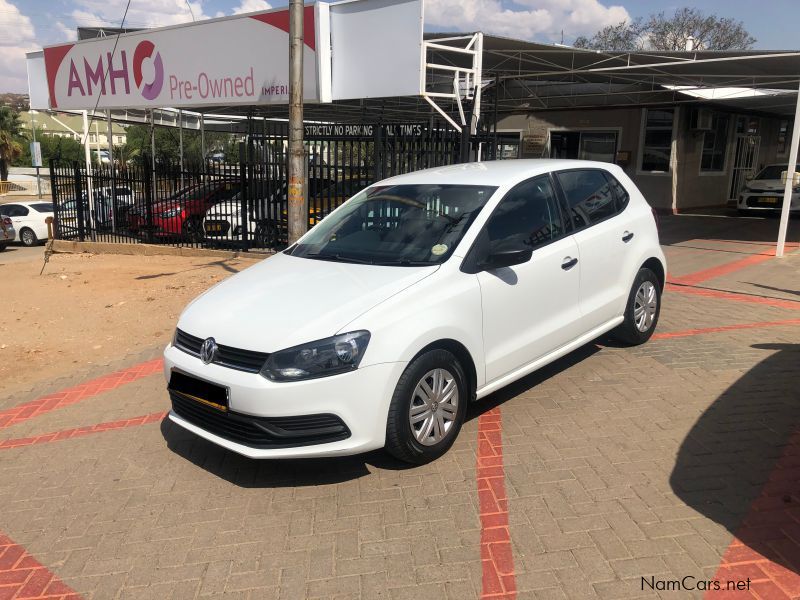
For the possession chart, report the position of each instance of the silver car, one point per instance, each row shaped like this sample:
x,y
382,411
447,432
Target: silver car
x,y
765,191
7,232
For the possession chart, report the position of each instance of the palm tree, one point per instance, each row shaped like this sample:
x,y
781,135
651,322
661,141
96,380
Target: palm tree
x,y
9,147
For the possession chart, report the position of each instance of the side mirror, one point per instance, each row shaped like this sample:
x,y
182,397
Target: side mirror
x,y
506,258
749,177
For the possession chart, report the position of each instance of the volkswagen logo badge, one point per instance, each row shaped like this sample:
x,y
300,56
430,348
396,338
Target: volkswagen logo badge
x,y
208,351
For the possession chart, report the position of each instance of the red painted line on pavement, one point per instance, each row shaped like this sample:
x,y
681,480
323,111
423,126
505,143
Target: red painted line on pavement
x,y
497,558
701,331
719,271
776,302
64,434
72,395
22,576
766,548
771,244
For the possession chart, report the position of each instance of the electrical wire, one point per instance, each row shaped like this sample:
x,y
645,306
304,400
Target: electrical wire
x,y
105,75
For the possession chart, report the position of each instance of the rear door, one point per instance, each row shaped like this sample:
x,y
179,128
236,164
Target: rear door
x,y
604,235
530,309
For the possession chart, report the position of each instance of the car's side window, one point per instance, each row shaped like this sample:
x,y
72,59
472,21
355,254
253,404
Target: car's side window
x,y
527,217
588,195
14,210
621,195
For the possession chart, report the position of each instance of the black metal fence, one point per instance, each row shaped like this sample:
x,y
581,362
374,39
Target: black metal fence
x,y
240,205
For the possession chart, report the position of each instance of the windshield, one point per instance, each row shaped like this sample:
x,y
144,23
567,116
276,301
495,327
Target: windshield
x,y
773,172
406,225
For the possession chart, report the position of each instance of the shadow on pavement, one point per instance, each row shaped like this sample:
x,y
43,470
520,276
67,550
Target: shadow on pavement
x,y
723,225
249,473
728,460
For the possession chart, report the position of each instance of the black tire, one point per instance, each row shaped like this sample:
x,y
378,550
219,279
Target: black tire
x,y
3,246
628,332
192,230
401,441
28,237
266,235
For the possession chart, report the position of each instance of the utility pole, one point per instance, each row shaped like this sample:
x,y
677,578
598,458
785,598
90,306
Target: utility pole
x,y
298,213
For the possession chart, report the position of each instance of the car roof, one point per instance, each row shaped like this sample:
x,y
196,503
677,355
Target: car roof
x,y
496,172
32,202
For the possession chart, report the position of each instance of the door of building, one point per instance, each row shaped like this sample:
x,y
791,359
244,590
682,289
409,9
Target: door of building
x,y
745,162
584,145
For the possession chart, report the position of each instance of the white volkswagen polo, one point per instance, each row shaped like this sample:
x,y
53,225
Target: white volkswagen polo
x,y
419,295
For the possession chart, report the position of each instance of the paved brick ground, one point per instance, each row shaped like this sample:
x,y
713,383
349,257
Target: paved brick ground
x,y
673,459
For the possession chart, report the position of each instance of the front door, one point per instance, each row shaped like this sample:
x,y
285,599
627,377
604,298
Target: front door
x,y
530,309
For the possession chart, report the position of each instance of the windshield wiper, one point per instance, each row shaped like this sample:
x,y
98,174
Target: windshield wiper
x,y
404,262
338,258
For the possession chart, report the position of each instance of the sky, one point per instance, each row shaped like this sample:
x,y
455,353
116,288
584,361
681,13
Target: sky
x,y
27,25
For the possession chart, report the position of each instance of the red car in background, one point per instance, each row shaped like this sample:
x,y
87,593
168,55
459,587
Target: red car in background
x,y
181,215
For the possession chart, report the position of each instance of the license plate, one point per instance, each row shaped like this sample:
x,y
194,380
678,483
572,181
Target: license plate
x,y
213,227
199,390
769,200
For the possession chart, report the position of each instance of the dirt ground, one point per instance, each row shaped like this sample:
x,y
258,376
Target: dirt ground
x,y
88,309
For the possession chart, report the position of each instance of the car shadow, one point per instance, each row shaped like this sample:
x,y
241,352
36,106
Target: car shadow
x,y
726,461
300,472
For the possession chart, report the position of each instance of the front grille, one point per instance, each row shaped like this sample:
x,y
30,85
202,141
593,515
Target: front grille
x,y
261,432
227,356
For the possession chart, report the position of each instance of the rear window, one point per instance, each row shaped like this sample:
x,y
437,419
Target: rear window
x,y
42,207
588,195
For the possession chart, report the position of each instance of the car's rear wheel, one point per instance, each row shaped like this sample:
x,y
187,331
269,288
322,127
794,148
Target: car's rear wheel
x,y
266,235
3,246
193,230
427,408
642,310
28,237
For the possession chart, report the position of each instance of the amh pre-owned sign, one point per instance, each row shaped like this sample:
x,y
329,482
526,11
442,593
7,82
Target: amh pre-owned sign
x,y
237,60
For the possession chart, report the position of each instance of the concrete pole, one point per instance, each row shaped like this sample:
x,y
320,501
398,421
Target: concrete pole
x,y
89,188
787,191
38,177
203,138
298,213
110,138
180,141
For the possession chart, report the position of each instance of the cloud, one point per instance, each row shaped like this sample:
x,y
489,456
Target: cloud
x,y
17,37
69,34
142,13
247,6
542,20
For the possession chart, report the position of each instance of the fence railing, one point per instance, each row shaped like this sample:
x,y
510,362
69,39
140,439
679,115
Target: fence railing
x,y
238,204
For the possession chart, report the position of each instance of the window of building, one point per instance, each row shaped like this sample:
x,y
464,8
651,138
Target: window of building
x,y
715,144
784,135
584,145
657,140
588,196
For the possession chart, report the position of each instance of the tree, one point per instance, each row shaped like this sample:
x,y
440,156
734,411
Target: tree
x,y
167,144
65,149
670,33
10,148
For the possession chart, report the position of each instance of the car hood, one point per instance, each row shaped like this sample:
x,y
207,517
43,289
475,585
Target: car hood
x,y
762,185
284,301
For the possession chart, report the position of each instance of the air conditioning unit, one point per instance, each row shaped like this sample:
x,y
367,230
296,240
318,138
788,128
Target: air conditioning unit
x,y
701,119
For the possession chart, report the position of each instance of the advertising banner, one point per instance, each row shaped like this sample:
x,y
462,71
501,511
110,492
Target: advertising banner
x,y
219,62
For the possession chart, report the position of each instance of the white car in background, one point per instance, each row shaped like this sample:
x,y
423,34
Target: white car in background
x,y
764,193
29,219
419,295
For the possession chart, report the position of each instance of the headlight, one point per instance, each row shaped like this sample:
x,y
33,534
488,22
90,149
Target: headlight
x,y
172,212
337,354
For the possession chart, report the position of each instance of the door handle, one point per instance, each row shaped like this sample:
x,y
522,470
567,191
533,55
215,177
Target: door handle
x,y
627,236
569,263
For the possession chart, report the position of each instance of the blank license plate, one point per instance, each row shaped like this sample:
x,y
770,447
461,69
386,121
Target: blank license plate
x,y
199,390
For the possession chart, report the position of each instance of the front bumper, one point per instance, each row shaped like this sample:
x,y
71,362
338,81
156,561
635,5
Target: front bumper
x,y
766,201
359,398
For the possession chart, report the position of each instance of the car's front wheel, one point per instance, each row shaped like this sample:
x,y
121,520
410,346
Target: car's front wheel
x,y
642,310
427,408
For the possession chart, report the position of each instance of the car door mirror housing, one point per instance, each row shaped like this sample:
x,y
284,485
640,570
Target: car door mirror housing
x,y
505,258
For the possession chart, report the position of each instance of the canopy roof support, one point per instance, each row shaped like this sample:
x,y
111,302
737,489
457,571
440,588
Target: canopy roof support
x,y
790,181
